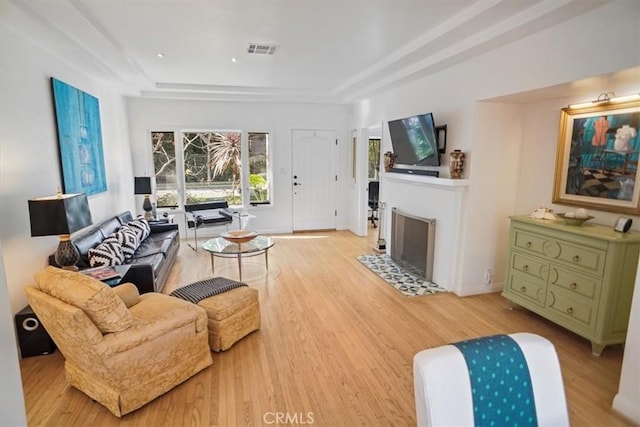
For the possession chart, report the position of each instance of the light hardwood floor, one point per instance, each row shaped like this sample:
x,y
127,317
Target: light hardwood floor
x,y
335,348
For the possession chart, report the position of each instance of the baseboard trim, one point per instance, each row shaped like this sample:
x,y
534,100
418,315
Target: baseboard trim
x,y
479,289
626,408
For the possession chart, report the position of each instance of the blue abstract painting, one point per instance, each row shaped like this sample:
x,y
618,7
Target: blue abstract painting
x,y
80,140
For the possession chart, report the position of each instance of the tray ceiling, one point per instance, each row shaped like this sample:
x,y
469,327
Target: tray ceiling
x,y
323,50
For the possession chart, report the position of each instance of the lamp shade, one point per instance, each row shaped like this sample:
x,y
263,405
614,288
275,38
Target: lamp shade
x,y
142,185
59,215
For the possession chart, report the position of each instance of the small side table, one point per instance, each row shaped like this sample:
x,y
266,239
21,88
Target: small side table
x,y
122,271
162,220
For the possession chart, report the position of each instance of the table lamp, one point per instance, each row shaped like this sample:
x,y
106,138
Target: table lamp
x,y
60,215
142,185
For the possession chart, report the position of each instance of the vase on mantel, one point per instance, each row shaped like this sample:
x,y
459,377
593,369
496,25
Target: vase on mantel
x,y
389,161
456,164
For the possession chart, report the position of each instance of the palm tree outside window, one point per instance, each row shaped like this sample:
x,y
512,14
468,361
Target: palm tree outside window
x,y
212,167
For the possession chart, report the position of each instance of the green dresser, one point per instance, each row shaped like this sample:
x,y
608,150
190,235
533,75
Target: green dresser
x,y
580,277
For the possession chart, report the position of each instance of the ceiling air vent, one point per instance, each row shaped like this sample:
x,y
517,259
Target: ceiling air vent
x,y
262,49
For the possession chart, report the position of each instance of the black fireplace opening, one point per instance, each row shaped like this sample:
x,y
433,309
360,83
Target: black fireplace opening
x,y
412,243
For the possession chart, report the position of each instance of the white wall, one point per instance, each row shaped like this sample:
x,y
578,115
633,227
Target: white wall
x,y
11,395
278,119
29,162
510,148
627,401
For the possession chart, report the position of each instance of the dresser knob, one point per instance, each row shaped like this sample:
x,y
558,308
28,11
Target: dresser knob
x,y
576,258
573,285
570,310
528,244
525,268
523,289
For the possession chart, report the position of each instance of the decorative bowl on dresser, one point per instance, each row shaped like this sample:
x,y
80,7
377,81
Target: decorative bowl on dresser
x,y
581,278
574,220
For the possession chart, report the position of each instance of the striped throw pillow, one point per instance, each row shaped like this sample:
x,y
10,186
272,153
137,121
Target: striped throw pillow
x,y
140,227
128,239
107,253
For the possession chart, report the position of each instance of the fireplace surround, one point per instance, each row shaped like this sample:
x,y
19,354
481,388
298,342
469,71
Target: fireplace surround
x,y
413,243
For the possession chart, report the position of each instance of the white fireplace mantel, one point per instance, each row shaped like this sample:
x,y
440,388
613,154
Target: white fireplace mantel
x,y
430,181
442,199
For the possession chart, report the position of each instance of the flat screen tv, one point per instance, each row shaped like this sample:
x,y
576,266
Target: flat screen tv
x,y
415,141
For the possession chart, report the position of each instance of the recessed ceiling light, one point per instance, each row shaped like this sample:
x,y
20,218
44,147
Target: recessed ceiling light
x,y
160,55
234,59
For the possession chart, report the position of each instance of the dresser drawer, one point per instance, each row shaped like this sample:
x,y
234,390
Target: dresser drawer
x,y
588,259
588,255
579,311
571,281
529,242
528,288
530,266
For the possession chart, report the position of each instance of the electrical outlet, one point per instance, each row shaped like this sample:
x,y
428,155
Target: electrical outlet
x,y
488,276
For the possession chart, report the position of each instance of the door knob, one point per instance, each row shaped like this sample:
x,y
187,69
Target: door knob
x,y
295,176
295,184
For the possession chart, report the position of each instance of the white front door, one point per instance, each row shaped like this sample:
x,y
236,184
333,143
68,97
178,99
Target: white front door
x,y
314,179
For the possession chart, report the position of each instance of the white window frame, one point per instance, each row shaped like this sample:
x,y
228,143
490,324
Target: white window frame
x,y
178,133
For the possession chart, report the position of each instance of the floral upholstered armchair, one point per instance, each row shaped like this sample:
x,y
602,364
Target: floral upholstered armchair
x,y
122,349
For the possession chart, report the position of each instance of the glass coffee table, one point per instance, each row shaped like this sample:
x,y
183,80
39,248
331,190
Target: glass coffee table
x,y
220,247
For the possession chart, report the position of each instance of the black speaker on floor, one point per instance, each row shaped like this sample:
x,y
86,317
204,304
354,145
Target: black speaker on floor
x,y
33,338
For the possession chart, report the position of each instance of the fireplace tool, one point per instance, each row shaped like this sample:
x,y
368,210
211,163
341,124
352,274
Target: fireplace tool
x,y
381,245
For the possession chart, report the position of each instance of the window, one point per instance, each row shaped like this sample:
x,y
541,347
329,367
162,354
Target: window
x,y
374,159
211,167
164,162
259,168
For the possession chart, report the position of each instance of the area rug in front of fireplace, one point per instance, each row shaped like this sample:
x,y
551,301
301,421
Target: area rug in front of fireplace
x,y
408,284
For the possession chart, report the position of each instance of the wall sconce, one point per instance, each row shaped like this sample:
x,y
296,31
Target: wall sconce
x,y
142,185
60,215
607,97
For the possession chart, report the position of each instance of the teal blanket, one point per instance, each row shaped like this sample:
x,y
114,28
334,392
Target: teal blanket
x,y
500,382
